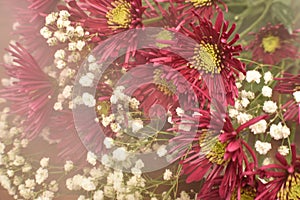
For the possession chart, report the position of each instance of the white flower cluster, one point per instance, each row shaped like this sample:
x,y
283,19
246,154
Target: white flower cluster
x,y
18,175
104,183
262,147
279,131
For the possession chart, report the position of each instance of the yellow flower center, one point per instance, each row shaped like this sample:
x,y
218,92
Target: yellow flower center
x,y
119,16
291,189
200,3
103,108
247,193
162,84
213,149
270,43
207,57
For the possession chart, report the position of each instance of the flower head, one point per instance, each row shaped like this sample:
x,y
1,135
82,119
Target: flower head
x,y
273,43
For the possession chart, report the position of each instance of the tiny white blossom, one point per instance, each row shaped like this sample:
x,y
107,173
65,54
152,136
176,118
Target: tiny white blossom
x,y
51,18
278,132
80,44
46,33
283,150
41,175
120,154
267,91
167,175
270,107
297,96
91,158
60,54
259,127
262,147
162,151
245,102
98,195
67,91
88,100
243,117
58,106
108,142
253,75
268,77
179,111
44,162
88,185
64,14
68,166
139,164
87,80
136,125
91,59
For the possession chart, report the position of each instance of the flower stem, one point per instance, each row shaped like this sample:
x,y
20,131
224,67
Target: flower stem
x,y
152,20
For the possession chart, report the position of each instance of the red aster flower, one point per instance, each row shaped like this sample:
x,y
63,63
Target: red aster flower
x,y
290,84
31,93
273,43
212,64
107,17
285,178
216,153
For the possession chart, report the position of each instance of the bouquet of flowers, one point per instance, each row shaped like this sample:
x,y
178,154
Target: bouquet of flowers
x,y
152,99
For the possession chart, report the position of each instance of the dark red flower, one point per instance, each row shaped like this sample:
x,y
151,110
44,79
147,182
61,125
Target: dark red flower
x,y
107,17
290,84
212,66
274,43
217,153
283,179
32,93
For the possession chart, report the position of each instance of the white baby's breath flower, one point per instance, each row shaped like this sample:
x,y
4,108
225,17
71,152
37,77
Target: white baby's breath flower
x,y
253,75
268,77
58,106
46,33
64,14
87,80
270,107
80,44
179,111
167,175
44,162
41,175
120,154
98,195
88,100
60,54
51,18
267,91
245,102
262,147
108,142
136,125
91,158
139,164
278,132
243,117
259,127
283,150
68,166
67,92
87,184
297,96
162,151
79,30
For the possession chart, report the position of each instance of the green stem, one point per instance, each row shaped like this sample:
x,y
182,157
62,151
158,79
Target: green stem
x,y
152,20
257,21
